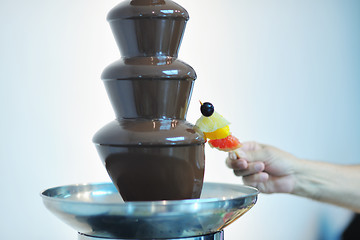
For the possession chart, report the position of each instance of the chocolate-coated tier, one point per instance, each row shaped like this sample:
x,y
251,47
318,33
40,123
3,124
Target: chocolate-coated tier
x,y
149,68
153,173
147,8
149,87
142,132
153,159
148,27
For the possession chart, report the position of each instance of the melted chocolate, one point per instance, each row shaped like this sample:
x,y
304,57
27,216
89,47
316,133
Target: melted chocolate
x,y
149,174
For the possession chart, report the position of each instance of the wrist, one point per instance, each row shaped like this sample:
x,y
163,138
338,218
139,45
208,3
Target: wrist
x,y
308,182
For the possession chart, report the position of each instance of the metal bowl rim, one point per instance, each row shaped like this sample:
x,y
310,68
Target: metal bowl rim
x,y
147,203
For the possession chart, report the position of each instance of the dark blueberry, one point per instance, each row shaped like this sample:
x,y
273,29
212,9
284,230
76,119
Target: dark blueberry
x,y
207,109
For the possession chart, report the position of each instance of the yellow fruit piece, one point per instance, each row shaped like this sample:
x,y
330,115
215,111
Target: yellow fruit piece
x,y
212,123
218,134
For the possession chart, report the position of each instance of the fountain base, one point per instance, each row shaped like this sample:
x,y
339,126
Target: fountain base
x,y
96,211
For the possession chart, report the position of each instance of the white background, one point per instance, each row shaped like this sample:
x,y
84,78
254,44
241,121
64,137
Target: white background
x,y
283,72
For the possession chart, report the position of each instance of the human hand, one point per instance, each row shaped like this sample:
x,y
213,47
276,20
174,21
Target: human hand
x,y
265,167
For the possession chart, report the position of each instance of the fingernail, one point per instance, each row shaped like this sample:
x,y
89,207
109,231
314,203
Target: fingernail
x,y
241,153
258,167
237,173
232,156
264,177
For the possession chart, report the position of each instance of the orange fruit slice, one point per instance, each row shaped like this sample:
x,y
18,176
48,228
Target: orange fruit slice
x,y
230,143
219,133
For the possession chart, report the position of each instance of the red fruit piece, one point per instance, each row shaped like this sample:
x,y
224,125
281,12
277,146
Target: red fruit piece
x,y
230,143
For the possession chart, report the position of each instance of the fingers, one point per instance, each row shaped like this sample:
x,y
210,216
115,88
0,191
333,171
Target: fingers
x,y
249,162
238,164
259,181
252,168
253,151
255,179
232,161
250,153
241,166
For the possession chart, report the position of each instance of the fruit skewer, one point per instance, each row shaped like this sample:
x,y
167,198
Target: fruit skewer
x,y
216,129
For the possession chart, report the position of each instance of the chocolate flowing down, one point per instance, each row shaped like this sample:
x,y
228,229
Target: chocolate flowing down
x,y
150,151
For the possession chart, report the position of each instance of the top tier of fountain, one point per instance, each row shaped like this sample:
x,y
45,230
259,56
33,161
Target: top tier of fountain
x,y
148,34
137,35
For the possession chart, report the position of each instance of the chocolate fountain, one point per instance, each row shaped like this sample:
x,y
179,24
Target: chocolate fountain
x,y
154,157
150,151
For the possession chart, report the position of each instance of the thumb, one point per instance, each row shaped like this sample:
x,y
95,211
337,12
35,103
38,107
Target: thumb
x,y
252,151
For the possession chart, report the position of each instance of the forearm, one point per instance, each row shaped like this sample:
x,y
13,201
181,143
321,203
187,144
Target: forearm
x,y
335,184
